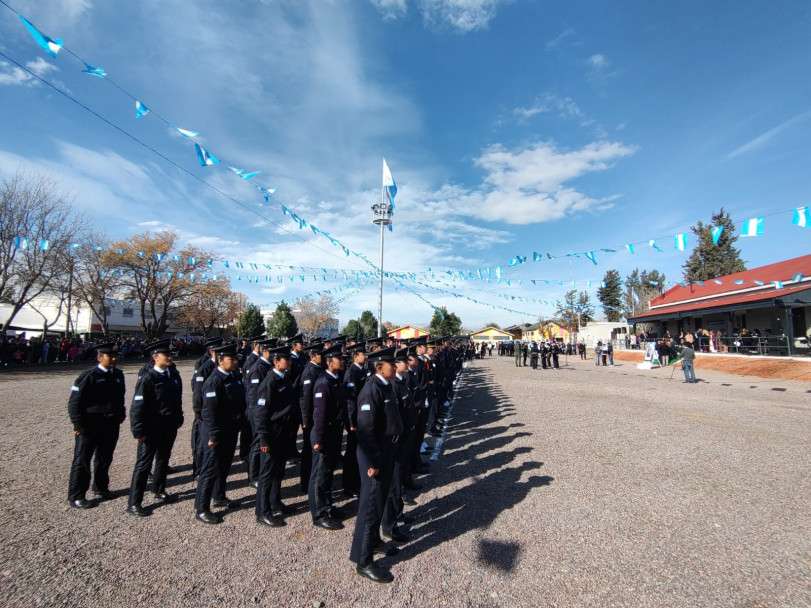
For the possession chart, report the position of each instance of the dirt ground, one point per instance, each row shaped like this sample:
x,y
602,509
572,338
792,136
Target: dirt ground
x,y
741,365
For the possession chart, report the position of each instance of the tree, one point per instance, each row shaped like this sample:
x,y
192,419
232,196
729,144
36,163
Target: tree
x,y
610,296
641,288
388,326
156,275
251,322
37,227
282,324
710,260
210,304
94,281
353,330
368,324
447,326
493,324
313,316
585,307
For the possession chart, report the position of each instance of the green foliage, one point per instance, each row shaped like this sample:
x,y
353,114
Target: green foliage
x,y
352,330
493,324
574,310
585,307
641,288
251,322
449,326
610,296
709,260
363,327
283,323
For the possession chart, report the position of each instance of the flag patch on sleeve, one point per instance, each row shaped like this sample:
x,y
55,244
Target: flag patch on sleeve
x,y
365,407
211,394
319,394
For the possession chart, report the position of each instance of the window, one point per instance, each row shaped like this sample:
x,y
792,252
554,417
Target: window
x,y
129,312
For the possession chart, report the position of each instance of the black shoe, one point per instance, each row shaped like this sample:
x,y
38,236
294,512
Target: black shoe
x,y
225,503
137,510
407,500
254,484
104,494
170,470
374,573
207,517
272,521
337,513
351,493
414,486
282,509
397,536
406,519
423,470
328,524
165,497
384,550
81,503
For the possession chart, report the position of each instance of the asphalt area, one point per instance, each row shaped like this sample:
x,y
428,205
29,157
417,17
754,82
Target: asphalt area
x,y
584,486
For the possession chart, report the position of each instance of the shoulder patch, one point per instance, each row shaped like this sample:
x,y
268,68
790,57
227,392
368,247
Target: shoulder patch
x,y
138,398
211,394
307,382
199,379
350,384
260,403
365,407
254,380
74,388
319,394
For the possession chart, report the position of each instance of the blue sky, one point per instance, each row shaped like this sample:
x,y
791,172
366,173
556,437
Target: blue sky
x,y
510,127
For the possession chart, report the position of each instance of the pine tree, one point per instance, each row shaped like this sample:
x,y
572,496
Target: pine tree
x,y
283,323
449,326
709,260
610,296
641,288
251,322
585,307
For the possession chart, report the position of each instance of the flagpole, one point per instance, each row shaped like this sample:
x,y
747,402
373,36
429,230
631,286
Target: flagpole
x,y
381,215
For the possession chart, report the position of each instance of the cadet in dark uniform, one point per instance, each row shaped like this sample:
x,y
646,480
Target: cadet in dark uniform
x,y
274,416
252,379
379,429
202,370
401,475
298,361
329,418
307,382
222,414
155,415
96,410
354,380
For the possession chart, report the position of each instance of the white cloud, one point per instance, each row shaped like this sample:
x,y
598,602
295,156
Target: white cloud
x,y
40,66
560,39
598,61
763,139
11,75
564,107
462,15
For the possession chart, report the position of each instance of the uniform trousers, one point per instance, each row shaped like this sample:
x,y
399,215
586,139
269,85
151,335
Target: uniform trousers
x,y
271,471
99,439
158,446
245,438
351,480
373,494
418,435
306,459
401,472
196,448
215,466
255,451
533,361
324,464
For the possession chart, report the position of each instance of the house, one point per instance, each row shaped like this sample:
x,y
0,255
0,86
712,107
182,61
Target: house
x,y
491,334
406,332
547,331
772,300
604,331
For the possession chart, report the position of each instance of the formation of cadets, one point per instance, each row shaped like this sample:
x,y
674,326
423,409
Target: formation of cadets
x,y
546,352
384,397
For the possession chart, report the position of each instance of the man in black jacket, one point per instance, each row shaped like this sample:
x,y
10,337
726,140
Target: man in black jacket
x,y
354,381
307,382
96,410
155,415
329,418
379,429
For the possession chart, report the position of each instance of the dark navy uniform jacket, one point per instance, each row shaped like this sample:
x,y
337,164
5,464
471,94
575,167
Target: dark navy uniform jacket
x,y
354,379
97,393
307,382
250,361
202,372
276,404
253,378
379,420
405,402
223,404
158,401
329,409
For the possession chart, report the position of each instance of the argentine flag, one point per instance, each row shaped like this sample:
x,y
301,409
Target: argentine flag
x,y
681,241
802,215
389,187
753,227
205,157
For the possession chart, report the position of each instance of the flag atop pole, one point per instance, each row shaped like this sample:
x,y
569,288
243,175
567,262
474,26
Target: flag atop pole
x,y
389,187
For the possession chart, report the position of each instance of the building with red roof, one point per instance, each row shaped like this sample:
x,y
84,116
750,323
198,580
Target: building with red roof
x,y
772,300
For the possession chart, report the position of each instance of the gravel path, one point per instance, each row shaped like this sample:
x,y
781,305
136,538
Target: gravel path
x,y
579,487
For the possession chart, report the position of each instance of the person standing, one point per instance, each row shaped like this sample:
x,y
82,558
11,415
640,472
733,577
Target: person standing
x,y
203,367
96,410
253,377
329,417
155,415
222,414
379,428
517,353
688,356
307,381
354,380
275,415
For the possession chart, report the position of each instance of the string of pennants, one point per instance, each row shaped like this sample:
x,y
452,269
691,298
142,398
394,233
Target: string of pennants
x,y
52,46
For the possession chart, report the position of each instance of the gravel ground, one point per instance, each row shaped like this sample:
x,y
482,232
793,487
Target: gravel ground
x,y
579,487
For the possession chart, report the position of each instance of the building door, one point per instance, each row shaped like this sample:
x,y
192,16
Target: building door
x,y
798,322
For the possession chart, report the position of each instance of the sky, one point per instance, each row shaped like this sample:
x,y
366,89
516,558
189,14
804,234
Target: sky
x,y
510,127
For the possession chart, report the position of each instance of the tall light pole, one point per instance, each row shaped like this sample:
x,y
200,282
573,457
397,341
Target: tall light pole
x,y
381,215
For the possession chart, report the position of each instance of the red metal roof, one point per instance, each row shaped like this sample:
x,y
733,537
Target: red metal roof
x,y
711,294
